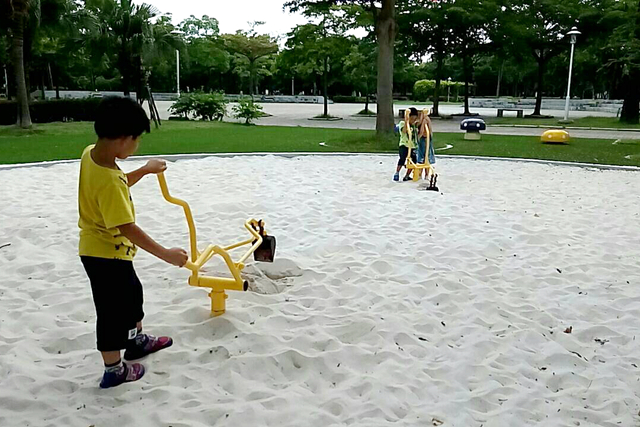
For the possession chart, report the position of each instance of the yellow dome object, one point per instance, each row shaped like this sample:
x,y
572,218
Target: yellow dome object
x,y
555,136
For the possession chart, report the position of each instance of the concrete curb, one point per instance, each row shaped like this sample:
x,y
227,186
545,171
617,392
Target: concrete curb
x,y
176,157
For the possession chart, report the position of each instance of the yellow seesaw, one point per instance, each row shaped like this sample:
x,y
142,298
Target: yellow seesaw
x,y
262,247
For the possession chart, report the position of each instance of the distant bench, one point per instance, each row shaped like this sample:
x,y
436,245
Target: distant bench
x,y
519,111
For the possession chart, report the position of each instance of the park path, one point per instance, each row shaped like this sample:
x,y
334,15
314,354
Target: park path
x,y
299,114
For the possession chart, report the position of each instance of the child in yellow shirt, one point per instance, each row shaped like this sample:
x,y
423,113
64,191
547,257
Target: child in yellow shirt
x,y
408,132
109,238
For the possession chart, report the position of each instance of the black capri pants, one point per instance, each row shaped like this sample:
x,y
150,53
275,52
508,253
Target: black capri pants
x,y
404,150
117,295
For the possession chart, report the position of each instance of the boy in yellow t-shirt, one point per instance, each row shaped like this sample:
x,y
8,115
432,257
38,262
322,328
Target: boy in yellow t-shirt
x,y
408,131
109,238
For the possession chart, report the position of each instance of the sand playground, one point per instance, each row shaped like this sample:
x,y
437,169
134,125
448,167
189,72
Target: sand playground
x,y
509,298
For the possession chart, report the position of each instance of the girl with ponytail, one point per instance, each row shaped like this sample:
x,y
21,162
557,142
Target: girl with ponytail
x,y
425,151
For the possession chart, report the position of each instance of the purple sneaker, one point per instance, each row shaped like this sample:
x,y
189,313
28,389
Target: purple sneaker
x,y
146,344
127,374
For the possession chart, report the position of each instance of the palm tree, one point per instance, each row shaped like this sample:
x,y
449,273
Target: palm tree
x,y
125,34
22,18
15,15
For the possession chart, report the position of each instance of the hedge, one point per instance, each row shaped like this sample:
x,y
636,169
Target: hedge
x,y
341,99
52,111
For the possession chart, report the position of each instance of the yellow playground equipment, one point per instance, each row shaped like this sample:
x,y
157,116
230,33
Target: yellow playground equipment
x,y
555,136
418,168
262,247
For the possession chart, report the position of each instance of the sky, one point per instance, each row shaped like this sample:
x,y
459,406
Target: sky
x,y
233,15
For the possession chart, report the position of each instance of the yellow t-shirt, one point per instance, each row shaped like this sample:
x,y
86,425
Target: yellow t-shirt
x,y
104,203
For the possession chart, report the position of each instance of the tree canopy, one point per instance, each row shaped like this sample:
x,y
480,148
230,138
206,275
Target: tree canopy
x,y
498,47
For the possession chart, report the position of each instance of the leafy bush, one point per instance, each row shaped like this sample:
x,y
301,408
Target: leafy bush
x,y
207,106
61,110
247,110
341,99
210,106
183,106
423,90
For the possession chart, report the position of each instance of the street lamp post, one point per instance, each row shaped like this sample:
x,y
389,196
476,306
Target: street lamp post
x,y
448,89
179,33
574,33
6,81
178,71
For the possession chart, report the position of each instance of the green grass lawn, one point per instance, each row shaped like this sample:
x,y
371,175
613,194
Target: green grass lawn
x,y
594,122
59,141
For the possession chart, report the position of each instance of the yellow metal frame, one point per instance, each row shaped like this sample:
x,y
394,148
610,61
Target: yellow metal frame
x,y
218,285
417,168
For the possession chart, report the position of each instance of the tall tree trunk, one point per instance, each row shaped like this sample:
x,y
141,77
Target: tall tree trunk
x,y
366,95
325,85
42,87
541,64
614,83
126,82
499,79
630,113
140,81
465,65
631,105
436,92
252,80
17,30
124,63
386,34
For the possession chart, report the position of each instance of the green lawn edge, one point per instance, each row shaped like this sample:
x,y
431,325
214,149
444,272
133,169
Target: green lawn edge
x,y
65,141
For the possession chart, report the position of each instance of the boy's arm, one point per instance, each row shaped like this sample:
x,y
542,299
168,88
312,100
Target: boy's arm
x,y
138,237
152,166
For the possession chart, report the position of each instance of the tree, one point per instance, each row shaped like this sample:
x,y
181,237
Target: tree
x,y
317,47
126,28
51,45
470,24
206,57
383,16
4,61
14,15
158,53
624,43
537,28
425,27
360,67
254,48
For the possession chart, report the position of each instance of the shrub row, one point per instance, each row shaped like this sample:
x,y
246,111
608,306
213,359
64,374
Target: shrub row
x,y
62,110
341,99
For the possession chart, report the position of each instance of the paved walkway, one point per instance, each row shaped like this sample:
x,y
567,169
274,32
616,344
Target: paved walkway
x,y
299,114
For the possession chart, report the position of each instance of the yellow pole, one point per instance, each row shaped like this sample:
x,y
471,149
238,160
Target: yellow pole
x,y
187,212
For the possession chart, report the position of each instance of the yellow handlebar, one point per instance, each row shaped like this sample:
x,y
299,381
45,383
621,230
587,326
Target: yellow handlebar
x,y
187,212
197,260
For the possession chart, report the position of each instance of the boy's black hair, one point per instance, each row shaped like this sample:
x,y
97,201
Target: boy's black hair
x,y
413,112
120,117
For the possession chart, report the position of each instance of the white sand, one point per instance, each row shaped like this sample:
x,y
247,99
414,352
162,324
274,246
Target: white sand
x,y
398,306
